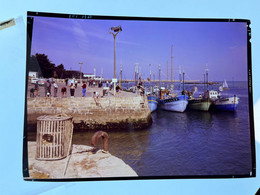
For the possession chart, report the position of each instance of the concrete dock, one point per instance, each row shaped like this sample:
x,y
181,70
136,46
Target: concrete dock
x,y
82,163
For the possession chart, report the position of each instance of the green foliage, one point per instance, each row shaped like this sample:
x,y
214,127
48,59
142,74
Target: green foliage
x,y
46,69
60,71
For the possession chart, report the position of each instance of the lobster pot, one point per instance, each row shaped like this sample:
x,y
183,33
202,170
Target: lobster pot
x,y
54,135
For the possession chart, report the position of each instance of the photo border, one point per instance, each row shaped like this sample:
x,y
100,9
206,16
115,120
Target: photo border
x,y
89,17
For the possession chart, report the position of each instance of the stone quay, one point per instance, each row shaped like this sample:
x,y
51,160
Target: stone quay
x,y
125,110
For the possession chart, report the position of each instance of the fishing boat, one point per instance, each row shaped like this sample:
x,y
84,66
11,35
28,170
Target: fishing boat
x,y
225,85
152,102
176,104
226,103
170,102
202,104
222,103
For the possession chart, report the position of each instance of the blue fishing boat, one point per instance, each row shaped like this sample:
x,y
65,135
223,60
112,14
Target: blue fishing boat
x,y
176,104
152,102
226,103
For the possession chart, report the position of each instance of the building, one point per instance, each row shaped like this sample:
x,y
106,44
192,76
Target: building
x,y
89,76
33,75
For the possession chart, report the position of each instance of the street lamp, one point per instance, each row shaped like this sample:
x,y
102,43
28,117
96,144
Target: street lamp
x,y
115,30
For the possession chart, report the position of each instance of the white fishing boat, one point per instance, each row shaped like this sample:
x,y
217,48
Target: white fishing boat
x,y
202,104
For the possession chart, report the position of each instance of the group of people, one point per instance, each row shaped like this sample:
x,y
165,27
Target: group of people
x,y
34,91
70,85
47,88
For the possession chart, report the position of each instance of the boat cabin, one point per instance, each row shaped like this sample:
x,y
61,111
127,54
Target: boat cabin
x,y
212,94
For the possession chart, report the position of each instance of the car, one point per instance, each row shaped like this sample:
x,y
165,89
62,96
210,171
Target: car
x,y
41,82
34,80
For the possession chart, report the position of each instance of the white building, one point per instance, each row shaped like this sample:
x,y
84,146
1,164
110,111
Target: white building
x,y
33,74
89,76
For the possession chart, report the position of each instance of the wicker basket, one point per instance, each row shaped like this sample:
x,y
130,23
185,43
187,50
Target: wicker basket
x,y
54,135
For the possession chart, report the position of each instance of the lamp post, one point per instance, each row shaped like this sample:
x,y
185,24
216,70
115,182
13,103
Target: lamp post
x,y
121,70
80,63
115,30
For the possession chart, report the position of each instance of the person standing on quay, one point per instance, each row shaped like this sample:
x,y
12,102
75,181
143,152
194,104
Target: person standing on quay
x,y
72,89
47,88
84,86
64,92
36,89
76,84
55,89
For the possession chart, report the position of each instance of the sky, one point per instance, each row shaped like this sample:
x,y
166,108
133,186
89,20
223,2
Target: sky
x,y
220,46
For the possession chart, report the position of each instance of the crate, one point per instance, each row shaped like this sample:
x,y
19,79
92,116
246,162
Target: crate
x,y
54,135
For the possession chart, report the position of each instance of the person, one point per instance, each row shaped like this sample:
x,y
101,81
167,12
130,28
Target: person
x,y
111,86
64,92
76,84
117,89
66,81
96,97
55,89
47,88
32,92
84,86
72,89
36,89
139,85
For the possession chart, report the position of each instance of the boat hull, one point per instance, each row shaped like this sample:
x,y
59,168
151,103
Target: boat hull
x,y
152,102
199,104
226,104
176,104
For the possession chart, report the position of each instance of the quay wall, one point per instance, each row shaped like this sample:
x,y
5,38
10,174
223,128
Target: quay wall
x,y
110,113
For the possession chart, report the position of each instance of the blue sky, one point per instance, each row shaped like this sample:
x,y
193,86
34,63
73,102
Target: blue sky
x,y
222,46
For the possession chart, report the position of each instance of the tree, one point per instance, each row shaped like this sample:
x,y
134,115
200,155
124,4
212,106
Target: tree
x,y
60,71
41,64
34,65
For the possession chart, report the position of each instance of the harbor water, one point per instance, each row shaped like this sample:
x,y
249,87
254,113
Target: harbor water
x,y
192,143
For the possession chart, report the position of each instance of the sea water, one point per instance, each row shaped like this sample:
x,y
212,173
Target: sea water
x,y
192,143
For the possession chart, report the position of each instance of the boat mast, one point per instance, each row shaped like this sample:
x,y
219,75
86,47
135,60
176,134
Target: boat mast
x,y
207,77
150,76
183,83
135,75
180,76
204,82
120,84
171,66
159,76
167,75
